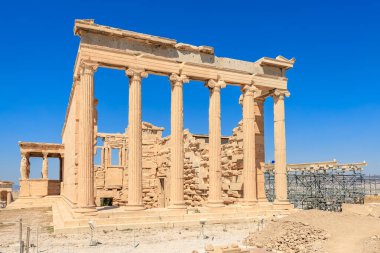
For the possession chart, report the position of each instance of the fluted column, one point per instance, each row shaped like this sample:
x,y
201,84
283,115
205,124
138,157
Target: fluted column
x,y
135,140
106,157
23,166
176,142
86,201
260,151
281,187
249,143
102,149
44,171
215,170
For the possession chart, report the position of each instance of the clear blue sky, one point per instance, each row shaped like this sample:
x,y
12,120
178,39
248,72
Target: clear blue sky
x,y
333,111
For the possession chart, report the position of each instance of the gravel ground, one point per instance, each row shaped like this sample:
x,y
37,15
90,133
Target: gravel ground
x,y
168,240
331,232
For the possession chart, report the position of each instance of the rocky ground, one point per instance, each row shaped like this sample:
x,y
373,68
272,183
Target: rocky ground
x,y
319,231
288,236
304,231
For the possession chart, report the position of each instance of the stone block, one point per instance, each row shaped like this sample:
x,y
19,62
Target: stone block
x,y
225,186
236,186
202,187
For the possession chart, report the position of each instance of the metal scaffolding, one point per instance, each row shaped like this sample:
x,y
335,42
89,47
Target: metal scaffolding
x,y
324,185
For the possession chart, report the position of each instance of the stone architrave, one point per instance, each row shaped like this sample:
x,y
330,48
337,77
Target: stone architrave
x,y
249,143
176,140
86,200
45,169
135,140
215,170
280,147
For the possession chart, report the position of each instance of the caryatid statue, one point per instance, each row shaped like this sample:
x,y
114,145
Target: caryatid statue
x,y
24,171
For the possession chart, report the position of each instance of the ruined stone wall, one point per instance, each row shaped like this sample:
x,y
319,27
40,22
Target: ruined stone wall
x,y
111,181
196,170
157,162
151,138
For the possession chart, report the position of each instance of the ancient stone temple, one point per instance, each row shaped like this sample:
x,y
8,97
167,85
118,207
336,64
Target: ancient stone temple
x,y
182,171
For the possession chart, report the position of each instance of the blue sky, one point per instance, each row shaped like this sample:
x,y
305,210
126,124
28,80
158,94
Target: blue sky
x,y
333,111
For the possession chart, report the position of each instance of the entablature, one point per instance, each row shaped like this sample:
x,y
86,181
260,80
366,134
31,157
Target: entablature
x,y
116,48
37,149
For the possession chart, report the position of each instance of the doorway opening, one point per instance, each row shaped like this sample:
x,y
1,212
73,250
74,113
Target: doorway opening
x,y
106,201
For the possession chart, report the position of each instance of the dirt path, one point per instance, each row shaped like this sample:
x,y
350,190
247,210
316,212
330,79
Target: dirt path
x,y
349,232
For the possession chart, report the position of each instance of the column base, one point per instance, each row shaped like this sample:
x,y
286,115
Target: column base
x,y
134,207
180,205
282,205
263,202
217,203
249,202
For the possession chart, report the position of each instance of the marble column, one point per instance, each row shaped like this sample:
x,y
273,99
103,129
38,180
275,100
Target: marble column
x,y
9,197
102,152
215,170
260,151
135,140
281,187
249,143
86,201
107,157
44,171
24,166
176,142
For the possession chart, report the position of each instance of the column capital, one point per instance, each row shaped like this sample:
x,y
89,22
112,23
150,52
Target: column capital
x,y
241,100
218,84
136,73
45,154
280,94
88,67
24,154
249,89
178,80
76,79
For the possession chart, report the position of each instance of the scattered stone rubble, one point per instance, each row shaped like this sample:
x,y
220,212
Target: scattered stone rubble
x,y
288,237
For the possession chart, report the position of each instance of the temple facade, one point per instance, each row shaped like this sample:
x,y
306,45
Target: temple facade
x,y
150,171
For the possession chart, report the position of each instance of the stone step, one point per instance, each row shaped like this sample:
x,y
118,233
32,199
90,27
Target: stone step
x,y
121,224
165,221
